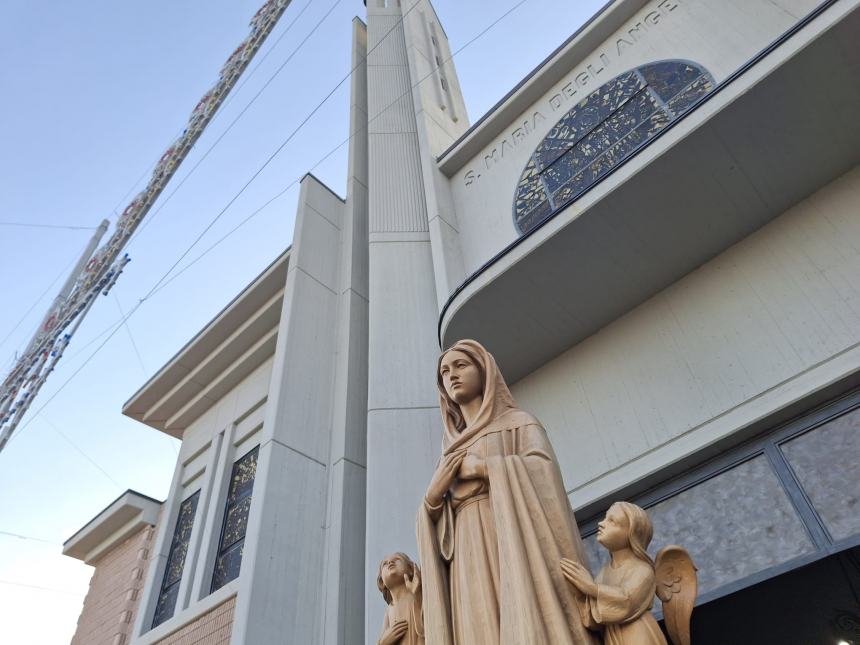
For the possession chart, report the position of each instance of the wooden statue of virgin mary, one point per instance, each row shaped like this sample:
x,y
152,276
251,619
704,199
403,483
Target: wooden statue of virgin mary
x,y
495,521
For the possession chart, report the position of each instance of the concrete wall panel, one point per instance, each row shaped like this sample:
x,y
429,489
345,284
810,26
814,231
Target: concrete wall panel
x,y
720,36
768,320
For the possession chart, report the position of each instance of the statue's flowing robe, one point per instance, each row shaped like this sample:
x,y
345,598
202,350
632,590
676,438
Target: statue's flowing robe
x,y
622,605
490,555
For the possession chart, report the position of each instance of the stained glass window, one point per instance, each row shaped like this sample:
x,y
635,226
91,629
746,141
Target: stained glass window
x,y
166,604
235,524
601,131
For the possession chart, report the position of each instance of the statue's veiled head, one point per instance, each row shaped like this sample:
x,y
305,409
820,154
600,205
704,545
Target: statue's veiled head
x,y
461,376
466,371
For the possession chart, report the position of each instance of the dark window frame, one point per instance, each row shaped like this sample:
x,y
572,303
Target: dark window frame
x,y
229,505
166,588
767,444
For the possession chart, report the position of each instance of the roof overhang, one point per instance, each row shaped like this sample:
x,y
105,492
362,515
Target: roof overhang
x,y
237,341
782,127
125,516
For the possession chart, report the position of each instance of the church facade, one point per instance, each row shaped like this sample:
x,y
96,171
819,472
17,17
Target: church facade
x,y
656,235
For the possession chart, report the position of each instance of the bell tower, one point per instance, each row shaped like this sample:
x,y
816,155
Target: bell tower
x,y
415,111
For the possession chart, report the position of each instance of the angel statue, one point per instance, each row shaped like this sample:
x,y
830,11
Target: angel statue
x,y
399,580
619,600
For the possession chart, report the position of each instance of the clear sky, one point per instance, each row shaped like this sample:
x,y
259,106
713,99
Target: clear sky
x,y
93,92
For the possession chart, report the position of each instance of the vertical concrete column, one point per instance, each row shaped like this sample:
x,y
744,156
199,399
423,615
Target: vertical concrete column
x,y
280,586
403,428
343,581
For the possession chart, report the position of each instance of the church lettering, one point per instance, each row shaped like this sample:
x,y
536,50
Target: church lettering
x,y
505,147
652,18
493,158
621,44
581,83
637,31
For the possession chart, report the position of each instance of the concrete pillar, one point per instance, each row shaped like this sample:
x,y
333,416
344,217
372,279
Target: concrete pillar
x,y
403,424
302,577
343,582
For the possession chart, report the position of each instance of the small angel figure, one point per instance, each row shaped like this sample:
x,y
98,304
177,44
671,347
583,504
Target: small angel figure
x,y
619,600
399,580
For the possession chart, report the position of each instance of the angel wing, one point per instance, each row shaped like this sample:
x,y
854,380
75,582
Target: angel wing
x,y
677,586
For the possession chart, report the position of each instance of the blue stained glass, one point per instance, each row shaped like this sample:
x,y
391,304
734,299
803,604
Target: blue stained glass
x,y
235,524
601,131
166,604
228,565
589,114
607,134
684,99
667,77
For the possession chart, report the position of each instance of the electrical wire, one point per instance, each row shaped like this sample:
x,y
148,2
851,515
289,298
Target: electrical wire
x,y
130,337
61,226
247,77
81,452
38,300
28,537
242,112
162,280
348,139
21,584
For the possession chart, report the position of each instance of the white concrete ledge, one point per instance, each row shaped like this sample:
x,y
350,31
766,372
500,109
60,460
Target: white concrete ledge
x,y
123,517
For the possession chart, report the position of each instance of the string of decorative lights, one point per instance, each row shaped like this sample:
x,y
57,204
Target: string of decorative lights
x,y
99,275
242,113
163,280
36,303
244,110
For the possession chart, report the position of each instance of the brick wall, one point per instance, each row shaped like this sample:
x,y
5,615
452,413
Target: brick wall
x,y
212,628
114,593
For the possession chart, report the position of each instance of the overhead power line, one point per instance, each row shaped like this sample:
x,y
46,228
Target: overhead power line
x,y
61,226
23,383
248,105
130,336
28,537
163,281
358,130
38,300
83,454
26,586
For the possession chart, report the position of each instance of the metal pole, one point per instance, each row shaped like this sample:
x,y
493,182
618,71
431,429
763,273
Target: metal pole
x,y
69,283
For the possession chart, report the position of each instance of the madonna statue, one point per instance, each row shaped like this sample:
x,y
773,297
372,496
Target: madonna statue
x,y
495,522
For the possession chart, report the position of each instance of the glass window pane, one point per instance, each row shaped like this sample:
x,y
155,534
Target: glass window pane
x,y
242,477
236,523
684,99
176,560
166,604
230,547
668,77
826,461
735,524
228,565
601,132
